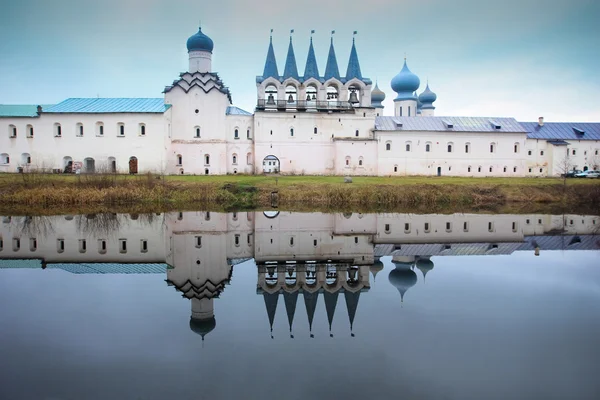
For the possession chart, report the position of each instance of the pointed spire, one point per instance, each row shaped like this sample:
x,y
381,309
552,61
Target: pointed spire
x,y
330,304
331,69
352,305
270,70
290,307
311,70
290,70
353,70
271,300
310,301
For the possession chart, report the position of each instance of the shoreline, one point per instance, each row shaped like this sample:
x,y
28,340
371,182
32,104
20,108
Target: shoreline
x,y
41,193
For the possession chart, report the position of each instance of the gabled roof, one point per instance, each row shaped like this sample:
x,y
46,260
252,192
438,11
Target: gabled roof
x,y
563,130
109,105
448,124
20,110
233,110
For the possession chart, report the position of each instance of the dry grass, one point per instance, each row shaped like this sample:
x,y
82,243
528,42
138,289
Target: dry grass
x,y
152,192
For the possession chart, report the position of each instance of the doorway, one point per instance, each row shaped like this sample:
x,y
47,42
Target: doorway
x,y
439,171
133,165
270,164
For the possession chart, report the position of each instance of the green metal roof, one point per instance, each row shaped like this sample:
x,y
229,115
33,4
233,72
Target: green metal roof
x,y
20,110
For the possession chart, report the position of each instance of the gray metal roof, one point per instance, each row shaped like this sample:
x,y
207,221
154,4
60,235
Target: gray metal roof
x,y
20,110
443,249
562,242
440,124
563,130
109,105
233,110
89,268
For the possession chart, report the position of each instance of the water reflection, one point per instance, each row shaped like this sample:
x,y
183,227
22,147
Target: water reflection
x,y
311,256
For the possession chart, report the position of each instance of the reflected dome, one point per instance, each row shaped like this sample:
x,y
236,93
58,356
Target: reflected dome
x,y
402,277
424,265
203,326
376,268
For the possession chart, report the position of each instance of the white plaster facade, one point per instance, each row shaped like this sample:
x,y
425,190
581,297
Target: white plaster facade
x,y
304,125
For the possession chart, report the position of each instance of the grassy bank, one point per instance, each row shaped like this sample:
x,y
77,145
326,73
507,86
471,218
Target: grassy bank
x,y
151,192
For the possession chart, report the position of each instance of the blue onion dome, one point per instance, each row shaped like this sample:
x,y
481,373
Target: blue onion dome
x,y
377,96
200,42
427,97
405,83
402,278
202,326
376,268
424,264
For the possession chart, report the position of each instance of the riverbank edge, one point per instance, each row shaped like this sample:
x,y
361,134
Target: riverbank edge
x,y
152,193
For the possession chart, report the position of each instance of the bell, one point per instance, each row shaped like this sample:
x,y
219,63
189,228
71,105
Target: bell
x,y
352,274
314,96
271,271
270,99
353,97
290,99
308,97
328,96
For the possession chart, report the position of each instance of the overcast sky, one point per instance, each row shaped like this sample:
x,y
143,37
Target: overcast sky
x,y
519,58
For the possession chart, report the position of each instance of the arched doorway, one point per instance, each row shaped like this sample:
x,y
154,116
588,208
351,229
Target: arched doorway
x,y
133,165
89,165
112,165
439,171
67,165
270,164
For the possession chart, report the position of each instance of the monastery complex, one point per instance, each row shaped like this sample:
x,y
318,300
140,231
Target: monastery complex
x,y
304,123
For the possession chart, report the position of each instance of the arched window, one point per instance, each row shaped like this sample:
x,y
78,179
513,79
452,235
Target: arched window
x,y
179,160
356,133
12,131
469,168
25,159
492,147
516,147
479,169
248,135
121,129
514,169
360,161
467,147
234,159
450,147
57,130
206,160
504,169
315,130
291,131
99,129
4,158
388,146
395,168
347,161
142,129
408,146
29,131
490,169
249,158
236,134
79,129
427,147
196,131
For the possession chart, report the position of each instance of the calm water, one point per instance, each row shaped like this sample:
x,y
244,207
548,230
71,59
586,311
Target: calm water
x,y
294,306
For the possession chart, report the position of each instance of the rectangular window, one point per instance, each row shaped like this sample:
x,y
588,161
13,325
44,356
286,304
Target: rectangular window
x,y
32,244
122,130
249,239
102,246
406,228
409,111
448,227
16,244
426,226
82,245
387,228
237,240
356,240
122,245
60,245
144,246
514,226
315,242
143,130
101,130
529,152
466,226
198,241
80,130
574,152
490,226
542,153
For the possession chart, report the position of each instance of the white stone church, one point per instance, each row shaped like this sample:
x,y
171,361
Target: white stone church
x,y
330,124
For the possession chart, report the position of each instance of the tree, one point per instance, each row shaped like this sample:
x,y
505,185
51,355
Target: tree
x,y
564,165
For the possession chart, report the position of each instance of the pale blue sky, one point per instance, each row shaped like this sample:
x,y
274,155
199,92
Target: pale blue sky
x,y
521,58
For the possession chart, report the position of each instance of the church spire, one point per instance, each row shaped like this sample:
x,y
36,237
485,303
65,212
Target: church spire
x,y
331,69
310,301
311,70
353,70
352,305
270,70
330,304
290,307
271,300
290,70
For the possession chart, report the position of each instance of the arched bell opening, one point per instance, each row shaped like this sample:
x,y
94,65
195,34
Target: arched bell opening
x,y
331,275
354,96
271,276
311,275
291,95
290,277
271,94
352,278
333,94
311,94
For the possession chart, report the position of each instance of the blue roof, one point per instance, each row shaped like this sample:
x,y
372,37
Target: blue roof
x,y
563,130
110,268
440,124
311,70
291,69
233,110
200,42
353,70
331,69
110,105
20,110
270,70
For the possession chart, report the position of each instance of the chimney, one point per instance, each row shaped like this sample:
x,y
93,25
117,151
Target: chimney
x,y
541,121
